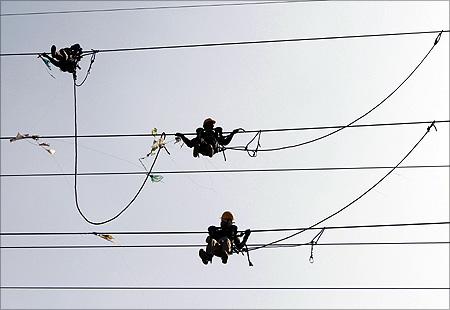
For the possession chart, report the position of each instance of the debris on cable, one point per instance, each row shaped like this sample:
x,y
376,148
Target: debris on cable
x,y
42,145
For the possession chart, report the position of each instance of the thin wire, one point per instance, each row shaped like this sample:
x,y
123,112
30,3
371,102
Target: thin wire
x,y
282,245
205,232
353,201
212,288
243,42
339,129
6,175
76,171
247,131
159,7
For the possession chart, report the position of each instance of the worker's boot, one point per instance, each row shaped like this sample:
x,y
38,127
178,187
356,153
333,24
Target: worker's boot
x,y
204,256
224,258
196,151
53,51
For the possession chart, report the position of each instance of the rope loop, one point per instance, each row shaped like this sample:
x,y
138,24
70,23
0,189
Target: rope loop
x,y
254,153
148,176
436,41
93,53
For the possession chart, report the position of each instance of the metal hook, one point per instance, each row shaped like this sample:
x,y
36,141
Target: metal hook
x,y
438,38
314,242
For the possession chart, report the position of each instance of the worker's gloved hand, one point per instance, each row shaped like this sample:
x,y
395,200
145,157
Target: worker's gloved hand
x,y
247,232
178,134
235,131
211,230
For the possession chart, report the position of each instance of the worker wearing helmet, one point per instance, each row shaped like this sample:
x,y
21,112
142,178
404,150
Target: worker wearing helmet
x,y
221,240
208,139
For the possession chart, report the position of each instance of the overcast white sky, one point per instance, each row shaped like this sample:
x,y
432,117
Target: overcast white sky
x,y
315,83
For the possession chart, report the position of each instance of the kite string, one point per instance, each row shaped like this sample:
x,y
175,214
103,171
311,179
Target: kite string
x,y
432,125
76,169
240,148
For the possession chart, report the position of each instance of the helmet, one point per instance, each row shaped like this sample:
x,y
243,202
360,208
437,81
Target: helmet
x,y
227,216
208,121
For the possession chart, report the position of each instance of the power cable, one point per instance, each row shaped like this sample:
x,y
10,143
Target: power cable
x,y
247,131
241,42
205,232
10,175
354,200
209,288
253,153
281,245
159,7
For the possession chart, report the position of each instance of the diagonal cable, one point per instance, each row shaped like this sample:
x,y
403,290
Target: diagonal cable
x,y
353,201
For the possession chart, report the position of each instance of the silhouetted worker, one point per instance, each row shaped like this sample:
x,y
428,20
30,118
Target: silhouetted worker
x,y
208,140
66,58
221,240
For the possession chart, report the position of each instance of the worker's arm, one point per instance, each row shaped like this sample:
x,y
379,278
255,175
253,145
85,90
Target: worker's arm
x,y
189,143
241,244
225,140
212,230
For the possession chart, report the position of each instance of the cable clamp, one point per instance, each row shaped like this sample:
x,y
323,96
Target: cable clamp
x,y
438,38
431,126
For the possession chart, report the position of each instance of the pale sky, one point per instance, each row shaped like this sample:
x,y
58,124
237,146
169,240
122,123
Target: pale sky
x,y
260,86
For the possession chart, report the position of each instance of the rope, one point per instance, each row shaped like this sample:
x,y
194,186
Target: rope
x,y
253,153
76,170
352,202
352,122
89,69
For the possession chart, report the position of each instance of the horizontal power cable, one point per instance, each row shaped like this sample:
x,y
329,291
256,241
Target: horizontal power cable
x,y
205,232
163,47
58,174
158,7
280,245
209,288
247,131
